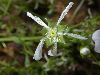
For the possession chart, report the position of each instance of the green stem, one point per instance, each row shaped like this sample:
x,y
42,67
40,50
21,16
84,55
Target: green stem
x,y
14,38
8,5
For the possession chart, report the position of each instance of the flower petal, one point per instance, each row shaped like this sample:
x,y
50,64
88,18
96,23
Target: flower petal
x,y
97,46
65,12
38,52
96,35
50,53
54,51
37,19
96,39
75,36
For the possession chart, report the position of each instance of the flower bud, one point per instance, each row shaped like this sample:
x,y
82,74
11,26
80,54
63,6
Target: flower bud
x,y
85,51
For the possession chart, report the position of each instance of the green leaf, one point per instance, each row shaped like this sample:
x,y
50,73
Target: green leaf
x,y
27,61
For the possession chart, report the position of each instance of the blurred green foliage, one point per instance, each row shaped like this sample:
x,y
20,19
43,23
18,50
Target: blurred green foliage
x,y
22,5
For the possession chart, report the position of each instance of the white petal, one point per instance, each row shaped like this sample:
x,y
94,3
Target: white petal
x,y
54,51
96,35
96,39
55,48
38,52
97,46
50,53
37,19
60,33
75,36
65,12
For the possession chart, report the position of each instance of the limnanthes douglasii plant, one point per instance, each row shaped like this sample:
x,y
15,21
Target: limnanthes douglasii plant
x,y
53,34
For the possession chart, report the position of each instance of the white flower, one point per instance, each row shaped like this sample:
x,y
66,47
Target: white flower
x,y
85,51
52,34
96,39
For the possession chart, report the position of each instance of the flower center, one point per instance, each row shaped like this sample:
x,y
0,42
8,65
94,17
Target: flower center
x,y
52,33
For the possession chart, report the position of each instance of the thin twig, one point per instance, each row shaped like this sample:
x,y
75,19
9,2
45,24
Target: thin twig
x,y
76,11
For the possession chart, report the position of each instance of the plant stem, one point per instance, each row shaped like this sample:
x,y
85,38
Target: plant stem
x,y
76,11
8,5
14,38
